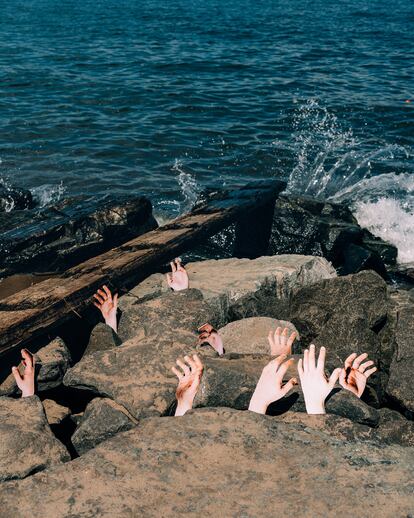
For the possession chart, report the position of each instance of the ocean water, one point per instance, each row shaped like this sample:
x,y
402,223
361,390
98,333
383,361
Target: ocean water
x,y
164,97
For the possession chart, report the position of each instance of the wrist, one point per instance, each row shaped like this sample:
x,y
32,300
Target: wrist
x,y
258,405
27,393
315,408
112,322
182,408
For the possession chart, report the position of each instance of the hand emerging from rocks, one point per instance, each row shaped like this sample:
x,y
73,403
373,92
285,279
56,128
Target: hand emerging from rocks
x,y
25,374
108,306
270,386
188,382
315,386
178,279
355,374
281,341
207,334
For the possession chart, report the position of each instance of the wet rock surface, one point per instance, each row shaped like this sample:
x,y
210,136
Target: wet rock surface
x,y
15,198
303,225
158,468
54,238
27,444
52,361
102,419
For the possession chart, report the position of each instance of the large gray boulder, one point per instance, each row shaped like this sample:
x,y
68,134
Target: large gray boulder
x,y
169,313
344,314
52,361
304,225
27,444
136,375
221,463
394,428
240,288
102,419
400,385
249,335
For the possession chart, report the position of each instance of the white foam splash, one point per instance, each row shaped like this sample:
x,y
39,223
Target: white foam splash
x,y
48,193
333,164
390,220
189,187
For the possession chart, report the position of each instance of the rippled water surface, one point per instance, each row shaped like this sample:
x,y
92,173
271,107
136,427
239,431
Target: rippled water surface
x,y
164,97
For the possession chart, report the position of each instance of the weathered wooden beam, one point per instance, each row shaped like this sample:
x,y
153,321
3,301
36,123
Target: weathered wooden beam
x,y
46,305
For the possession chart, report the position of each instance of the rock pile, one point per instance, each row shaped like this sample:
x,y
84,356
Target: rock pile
x,y
136,461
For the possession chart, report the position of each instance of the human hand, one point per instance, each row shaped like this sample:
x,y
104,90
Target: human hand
x,y
178,278
108,306
207,334
355,374
315,386
281,342
269,388
25,377
188,382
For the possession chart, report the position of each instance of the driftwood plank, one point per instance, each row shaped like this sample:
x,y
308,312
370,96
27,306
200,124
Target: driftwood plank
x,y
46,305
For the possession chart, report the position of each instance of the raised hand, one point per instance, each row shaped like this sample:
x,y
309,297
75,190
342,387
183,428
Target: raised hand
x,y
315,386
188,382
178,278
270,386
107,305
354,375
281,341
207,334
25,376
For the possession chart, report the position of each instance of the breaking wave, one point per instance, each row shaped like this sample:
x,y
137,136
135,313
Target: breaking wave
x,y
335,165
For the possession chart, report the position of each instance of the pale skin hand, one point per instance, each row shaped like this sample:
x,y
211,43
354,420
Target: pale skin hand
x,y
315,386
26,381
270,386
178,278
214,340
107,305
281,341
355,374
189,375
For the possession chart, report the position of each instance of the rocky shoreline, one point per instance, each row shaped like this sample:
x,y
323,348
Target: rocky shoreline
x,y
97,439
136,461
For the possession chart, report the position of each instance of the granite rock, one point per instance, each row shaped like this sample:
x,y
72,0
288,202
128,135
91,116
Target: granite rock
x,y
102,419
27,444
159,468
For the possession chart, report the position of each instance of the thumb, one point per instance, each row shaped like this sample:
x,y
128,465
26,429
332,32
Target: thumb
x,y
115,300
289,386
334,377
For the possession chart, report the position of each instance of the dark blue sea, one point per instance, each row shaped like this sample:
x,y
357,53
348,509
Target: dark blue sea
x,y
164,97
